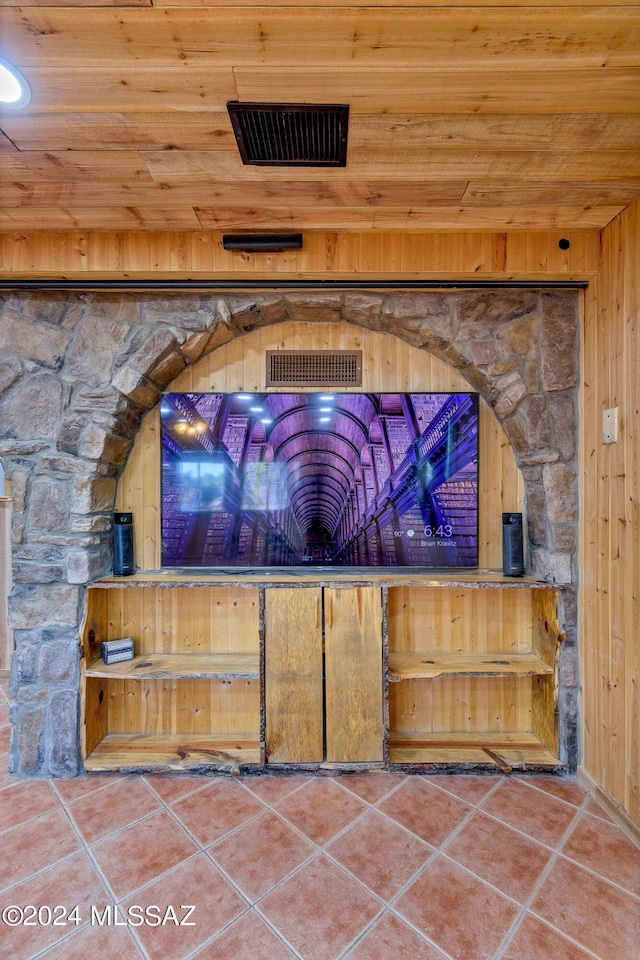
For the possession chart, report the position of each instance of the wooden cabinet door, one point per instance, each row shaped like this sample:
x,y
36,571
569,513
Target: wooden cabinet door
x,y
293,675
353,672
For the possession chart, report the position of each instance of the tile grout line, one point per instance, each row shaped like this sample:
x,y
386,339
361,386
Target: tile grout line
x,y
214,936
83,796
376,920
539,884
521,832
437,851
103,880
592,871
38,816
318,851
106,883
441,851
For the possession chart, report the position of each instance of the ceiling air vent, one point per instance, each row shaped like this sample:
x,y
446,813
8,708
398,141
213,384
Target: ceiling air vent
x,y
291,134
304,368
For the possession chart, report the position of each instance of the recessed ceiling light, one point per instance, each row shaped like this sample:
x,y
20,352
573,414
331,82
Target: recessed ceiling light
x,y
14,89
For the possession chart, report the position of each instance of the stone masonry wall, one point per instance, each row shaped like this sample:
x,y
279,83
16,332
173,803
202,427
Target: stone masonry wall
x,y
78,371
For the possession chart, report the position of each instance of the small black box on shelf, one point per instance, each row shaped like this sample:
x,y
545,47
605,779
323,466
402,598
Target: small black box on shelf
x,y
115,651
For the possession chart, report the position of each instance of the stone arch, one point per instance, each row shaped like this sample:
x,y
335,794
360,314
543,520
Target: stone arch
x,y
78,371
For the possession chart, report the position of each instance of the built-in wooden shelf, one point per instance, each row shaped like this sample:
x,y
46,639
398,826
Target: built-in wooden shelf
x,y
176,753
236,707
507,751
166,666
321,576
408,666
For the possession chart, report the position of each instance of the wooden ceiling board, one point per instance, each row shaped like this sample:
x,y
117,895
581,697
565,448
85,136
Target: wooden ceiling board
x,y
374,5
497,193
316,194
101,218
121,131
413,218
344,219
435,164
462,116
430,91
133,89
442,90
212,130
78,165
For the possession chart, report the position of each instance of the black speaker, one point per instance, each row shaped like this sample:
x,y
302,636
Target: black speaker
x,y
512,545
123,545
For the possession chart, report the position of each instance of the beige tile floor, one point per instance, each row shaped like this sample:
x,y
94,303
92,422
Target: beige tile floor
x,y
362,867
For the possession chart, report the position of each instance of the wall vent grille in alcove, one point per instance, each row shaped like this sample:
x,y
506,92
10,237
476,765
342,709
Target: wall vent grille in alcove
x,y
308,368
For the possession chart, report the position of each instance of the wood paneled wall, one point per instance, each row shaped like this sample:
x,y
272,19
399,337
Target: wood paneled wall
x,y
610,521
388,364
373,255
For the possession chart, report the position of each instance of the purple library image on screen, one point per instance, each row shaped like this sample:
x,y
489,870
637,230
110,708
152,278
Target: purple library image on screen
x,y
335,479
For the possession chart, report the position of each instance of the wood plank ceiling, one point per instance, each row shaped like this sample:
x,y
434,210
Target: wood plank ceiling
x,y
463,116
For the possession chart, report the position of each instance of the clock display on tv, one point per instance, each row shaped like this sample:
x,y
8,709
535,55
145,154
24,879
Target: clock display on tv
x,y
330,479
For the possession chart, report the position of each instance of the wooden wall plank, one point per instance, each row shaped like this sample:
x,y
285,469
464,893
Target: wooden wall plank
x,y
353,671
326,254
95,715
475,705
610,522
451,620
293,676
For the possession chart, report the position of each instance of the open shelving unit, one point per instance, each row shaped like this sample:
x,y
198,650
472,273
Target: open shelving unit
x,y
190,698
470,676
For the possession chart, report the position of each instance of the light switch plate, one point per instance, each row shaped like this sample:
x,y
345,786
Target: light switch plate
x,y
610,425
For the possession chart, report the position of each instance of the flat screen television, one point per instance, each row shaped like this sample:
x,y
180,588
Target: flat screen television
x,y
328,479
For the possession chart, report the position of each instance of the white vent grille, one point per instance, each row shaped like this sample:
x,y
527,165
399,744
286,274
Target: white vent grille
x,y
336,368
